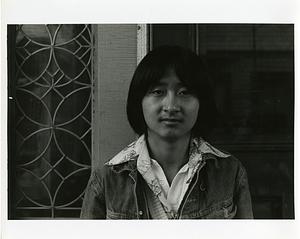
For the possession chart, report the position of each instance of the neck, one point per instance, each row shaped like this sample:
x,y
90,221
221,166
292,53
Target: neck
x,y
170,154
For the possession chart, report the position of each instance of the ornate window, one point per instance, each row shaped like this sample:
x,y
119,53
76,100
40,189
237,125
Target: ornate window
x,y
50,78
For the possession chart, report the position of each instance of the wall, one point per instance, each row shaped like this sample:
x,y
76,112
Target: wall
x,y
116,59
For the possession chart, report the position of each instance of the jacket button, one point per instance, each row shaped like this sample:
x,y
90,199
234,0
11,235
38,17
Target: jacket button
x,y
140,213
202,187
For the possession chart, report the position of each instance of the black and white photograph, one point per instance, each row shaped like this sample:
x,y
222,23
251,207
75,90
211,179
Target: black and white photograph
x,y
150,124
201,128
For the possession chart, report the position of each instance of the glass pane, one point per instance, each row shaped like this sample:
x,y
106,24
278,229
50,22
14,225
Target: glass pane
x,y
252,72
173,34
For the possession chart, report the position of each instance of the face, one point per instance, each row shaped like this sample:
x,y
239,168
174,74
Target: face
x,y
170,109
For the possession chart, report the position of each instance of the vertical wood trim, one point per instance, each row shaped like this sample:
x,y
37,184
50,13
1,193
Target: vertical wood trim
x,y
150,36
197,39
95,97
142,41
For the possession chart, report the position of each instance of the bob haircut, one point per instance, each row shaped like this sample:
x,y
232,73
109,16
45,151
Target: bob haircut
x,y
190,70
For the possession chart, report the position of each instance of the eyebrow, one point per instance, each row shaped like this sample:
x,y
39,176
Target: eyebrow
x,y
180,84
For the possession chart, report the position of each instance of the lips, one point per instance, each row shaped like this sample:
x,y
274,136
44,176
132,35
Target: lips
x,y
171,120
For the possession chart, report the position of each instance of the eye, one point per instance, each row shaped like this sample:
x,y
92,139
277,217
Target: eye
x,y
184,92
156,92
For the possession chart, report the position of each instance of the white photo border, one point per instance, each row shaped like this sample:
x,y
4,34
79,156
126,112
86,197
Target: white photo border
x,y
141,12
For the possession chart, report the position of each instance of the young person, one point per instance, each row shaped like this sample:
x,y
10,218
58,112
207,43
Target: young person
x,y
170,171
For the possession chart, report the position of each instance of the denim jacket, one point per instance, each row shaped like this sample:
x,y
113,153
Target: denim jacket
x,y
218,190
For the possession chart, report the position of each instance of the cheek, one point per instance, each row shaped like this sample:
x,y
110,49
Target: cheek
x,y
148,109
194,108
193,112
150,104
196,112
145,107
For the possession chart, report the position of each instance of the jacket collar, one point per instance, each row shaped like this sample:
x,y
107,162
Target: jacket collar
x,y
126,159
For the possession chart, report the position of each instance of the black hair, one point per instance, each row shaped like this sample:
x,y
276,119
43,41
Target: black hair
x,y
189,68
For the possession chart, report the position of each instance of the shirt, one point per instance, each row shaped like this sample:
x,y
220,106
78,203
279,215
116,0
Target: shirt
x,y
171,195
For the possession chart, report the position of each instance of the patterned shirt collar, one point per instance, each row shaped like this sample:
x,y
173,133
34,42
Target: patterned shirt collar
x,y
198,148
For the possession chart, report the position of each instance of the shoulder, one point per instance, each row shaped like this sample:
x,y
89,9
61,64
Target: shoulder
x,y
219,158
232,163
129,153
125,160
226,171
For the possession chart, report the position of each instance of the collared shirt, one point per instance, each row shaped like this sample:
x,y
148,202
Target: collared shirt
x,y
169,196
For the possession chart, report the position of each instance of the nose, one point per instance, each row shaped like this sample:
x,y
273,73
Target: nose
x,y
170,103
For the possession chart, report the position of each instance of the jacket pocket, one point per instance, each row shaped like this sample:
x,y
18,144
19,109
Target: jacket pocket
x,y
223,210
116,215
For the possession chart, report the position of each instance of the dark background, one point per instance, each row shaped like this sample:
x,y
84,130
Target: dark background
x,y
252,71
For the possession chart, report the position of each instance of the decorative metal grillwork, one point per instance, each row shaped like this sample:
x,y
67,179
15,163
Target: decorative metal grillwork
x,y
53,119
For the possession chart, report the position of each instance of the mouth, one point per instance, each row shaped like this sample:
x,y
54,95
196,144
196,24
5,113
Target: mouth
x,y
171,120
